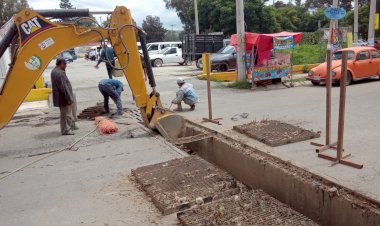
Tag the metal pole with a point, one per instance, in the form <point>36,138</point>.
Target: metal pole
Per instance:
<point>333,26</point>
<point>196,17</point>
<point>371,25</point>
<point>328,98</point>
<point>208,72</point>
<point>342,105</point>
<point>240,40</point>
<point>356,16</point>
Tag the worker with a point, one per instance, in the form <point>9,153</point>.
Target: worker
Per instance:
<point>111,88</point>
<point>63,97</point>
<point>108,56</point>
<point>187,94</point>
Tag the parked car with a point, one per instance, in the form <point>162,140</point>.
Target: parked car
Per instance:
<point>157,47</point>
<point>223,60</point>
<point>168,55</point>
<point>363,62</point>
<point>67,56</point>
<point>73,54</point>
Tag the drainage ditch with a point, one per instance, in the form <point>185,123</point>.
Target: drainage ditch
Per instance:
<point>317,198</point>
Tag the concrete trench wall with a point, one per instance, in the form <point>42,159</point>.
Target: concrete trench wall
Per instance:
<point>302,191</point>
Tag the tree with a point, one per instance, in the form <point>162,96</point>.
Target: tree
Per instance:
<point>363,20</point>
<point>154,29</point>
<point>10,7</point>
<point>66,4</point>
<point>185,12</point>
<point>316,4</point>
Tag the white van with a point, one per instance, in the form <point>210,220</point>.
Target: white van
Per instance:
<point>157,47</point>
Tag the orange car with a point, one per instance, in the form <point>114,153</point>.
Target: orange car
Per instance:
<point>363,62</point>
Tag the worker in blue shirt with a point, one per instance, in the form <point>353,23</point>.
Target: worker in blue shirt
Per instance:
<point>111,88</point>
<point>108,56</point>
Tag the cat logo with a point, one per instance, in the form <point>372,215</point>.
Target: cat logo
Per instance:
<point>31,26</point>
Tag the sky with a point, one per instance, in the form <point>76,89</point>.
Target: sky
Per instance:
<point>139,9</point>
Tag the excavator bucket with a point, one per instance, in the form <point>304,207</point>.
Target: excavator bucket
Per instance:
<point>171,126</point>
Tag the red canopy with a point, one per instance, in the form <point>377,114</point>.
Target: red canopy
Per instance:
<point>264,42</point>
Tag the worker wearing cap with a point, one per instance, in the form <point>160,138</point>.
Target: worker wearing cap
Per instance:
<point>111,88</point>
<point>187,94</point>
<point>63,97</point>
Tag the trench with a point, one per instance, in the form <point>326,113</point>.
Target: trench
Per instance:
<point>319,199</point>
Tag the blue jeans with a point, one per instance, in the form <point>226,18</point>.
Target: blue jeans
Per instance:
<point>107,92</point>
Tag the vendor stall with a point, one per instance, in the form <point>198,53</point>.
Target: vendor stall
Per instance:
<point>266,55</point>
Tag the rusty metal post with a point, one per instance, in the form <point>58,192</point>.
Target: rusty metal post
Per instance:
<point>328,97</point>
<point>208,72</point>
<point>342,105</point>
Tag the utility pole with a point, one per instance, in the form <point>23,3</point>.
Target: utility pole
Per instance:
<point>356,23</point>
<point>240,40</point>
<point>371,25</point>
<point>196,17</point>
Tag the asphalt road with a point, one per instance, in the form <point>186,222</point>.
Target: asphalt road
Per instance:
<point>91,186</point>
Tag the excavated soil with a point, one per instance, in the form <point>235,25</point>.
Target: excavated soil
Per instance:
<point>275,133</point>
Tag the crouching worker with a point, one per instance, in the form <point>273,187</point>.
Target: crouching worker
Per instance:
<point>187,94</point>
<point>63,97</point>
<point>111,88</point>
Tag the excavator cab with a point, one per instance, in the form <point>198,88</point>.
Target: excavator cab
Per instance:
<point>34,41</point>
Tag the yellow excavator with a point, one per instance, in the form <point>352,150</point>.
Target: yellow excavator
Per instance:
<point>36,40</point>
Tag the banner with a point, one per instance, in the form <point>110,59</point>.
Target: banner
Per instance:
<point>265,73</point>
<point>283,42</point>
<point>377,21</point>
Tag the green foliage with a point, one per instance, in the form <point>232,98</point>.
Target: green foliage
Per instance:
<point>66,4</point>
<point>305,68</point>
<point>309,54</point>
<point>240,85</point>
<point>317,4</point>
<point>363,20</point>
<point>154,29</point>
<point>220,15</point>
<point>311,38</point>
<point>10,7</point>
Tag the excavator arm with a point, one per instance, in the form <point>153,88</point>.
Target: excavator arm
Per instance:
<point>40,40</point>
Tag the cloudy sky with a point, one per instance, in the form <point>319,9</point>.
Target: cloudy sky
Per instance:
<point>139,9</point>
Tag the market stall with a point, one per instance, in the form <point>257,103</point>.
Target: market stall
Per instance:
<point>265,58</point>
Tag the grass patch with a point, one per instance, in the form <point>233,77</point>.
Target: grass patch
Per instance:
<point>308,54</point>
<point>240,85</point>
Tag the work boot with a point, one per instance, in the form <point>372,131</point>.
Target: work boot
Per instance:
<point>192,107</point>
<point>177,109</point>
<point>68,133</point>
